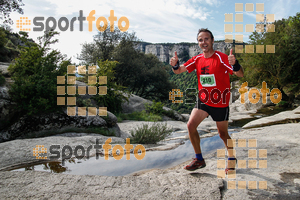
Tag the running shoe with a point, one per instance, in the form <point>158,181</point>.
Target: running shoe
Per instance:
<point>228,170</point>
<point>195,164</point>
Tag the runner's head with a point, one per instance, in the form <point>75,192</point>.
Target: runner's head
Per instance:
<point>205,40</point>
<point>205,30</point>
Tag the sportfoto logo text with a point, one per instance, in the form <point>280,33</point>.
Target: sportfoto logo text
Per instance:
<point>79,152</point>
<point>63,23</point>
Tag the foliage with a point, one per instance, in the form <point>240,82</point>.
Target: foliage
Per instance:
<point>183,81</point>
<point>150,134</point>
<point>83,78</point>
<point>143,75</point>
<point>155,107</point>
<point>283,104</point>
<point>8,45</point>
<point>35,74</point>
<point>139,116</point>
<point>184,56</point>
<point>8,6</point>
<point>114,97</point>
<point>181,108</point>
<point>103,45</point>
<point>280,69</point>
<point>2,79</point>
<point>84,102</point>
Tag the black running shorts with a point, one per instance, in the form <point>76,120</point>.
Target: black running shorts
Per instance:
<point>218,114</point>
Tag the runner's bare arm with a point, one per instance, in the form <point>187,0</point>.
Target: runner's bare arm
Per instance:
<point>232,61</point>
<point>239,73</point>
<point>173,62</point>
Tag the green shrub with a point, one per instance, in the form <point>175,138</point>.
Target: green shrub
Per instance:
<point>169,113</point>
<point>155,107</point>
<point>283,104</point>
<point>35,74</point>
<point>84,103</point>
<point>139,116</point>
<point>83,78</point>
<point>114,97</point>
<point>150,134</point>
<point>2,79</point>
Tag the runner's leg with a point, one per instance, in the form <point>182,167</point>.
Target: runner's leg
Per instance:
<point>197,116</point>
<point>223,132</point>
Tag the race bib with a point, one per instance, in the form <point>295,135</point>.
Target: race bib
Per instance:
<point>207,80</point>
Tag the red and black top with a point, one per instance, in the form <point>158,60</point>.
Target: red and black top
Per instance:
<point>213,78</point>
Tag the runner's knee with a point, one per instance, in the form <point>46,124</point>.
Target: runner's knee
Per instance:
<point>191,125</point>
<point>223,134</point>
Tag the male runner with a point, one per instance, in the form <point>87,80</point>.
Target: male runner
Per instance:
<point>212,68</point>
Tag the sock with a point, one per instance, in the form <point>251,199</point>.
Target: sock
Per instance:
<point>199,156</point>
<point>231,158</point>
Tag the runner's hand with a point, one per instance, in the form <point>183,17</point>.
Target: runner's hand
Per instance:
<point>174,59</point>
<point>231,58</point>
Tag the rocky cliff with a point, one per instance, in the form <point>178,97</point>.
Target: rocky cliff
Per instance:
<point>166,51</point>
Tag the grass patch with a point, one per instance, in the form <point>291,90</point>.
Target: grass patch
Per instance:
<point>150,134</point>
<point>139,116</point>
<point>153,112</point>
<point>157,108</point>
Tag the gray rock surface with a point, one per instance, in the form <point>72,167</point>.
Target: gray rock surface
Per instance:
<point>237,106</point>
<point>7,107</point>
<point>3,68</point>
<point>45,124</point>
<point>19,151</point>
<point>158,184</point>
<point>282,117</point>
<point>165,52</point>
<point>281,175</point>
<point>135,103</point>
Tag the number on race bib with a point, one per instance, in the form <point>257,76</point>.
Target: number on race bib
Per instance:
<point>208,80</point>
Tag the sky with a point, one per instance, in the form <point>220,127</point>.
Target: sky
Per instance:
<point>155,21</point>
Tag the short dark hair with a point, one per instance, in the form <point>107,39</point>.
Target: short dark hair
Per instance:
<point>205,30</point>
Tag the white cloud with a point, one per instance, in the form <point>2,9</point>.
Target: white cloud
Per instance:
<point>250,14</point>
<point>282,8</point>
<point>153,21</point>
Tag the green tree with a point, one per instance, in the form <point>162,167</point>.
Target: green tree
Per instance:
<point>10,42</point>
<point>184,55</point>
<point>114,97</point>
<point>103,45</point>
<point>8,6</point>
<point>35,74</point>
<point>3,38</point>
<point>143,74</point>
<point>280,69</point>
